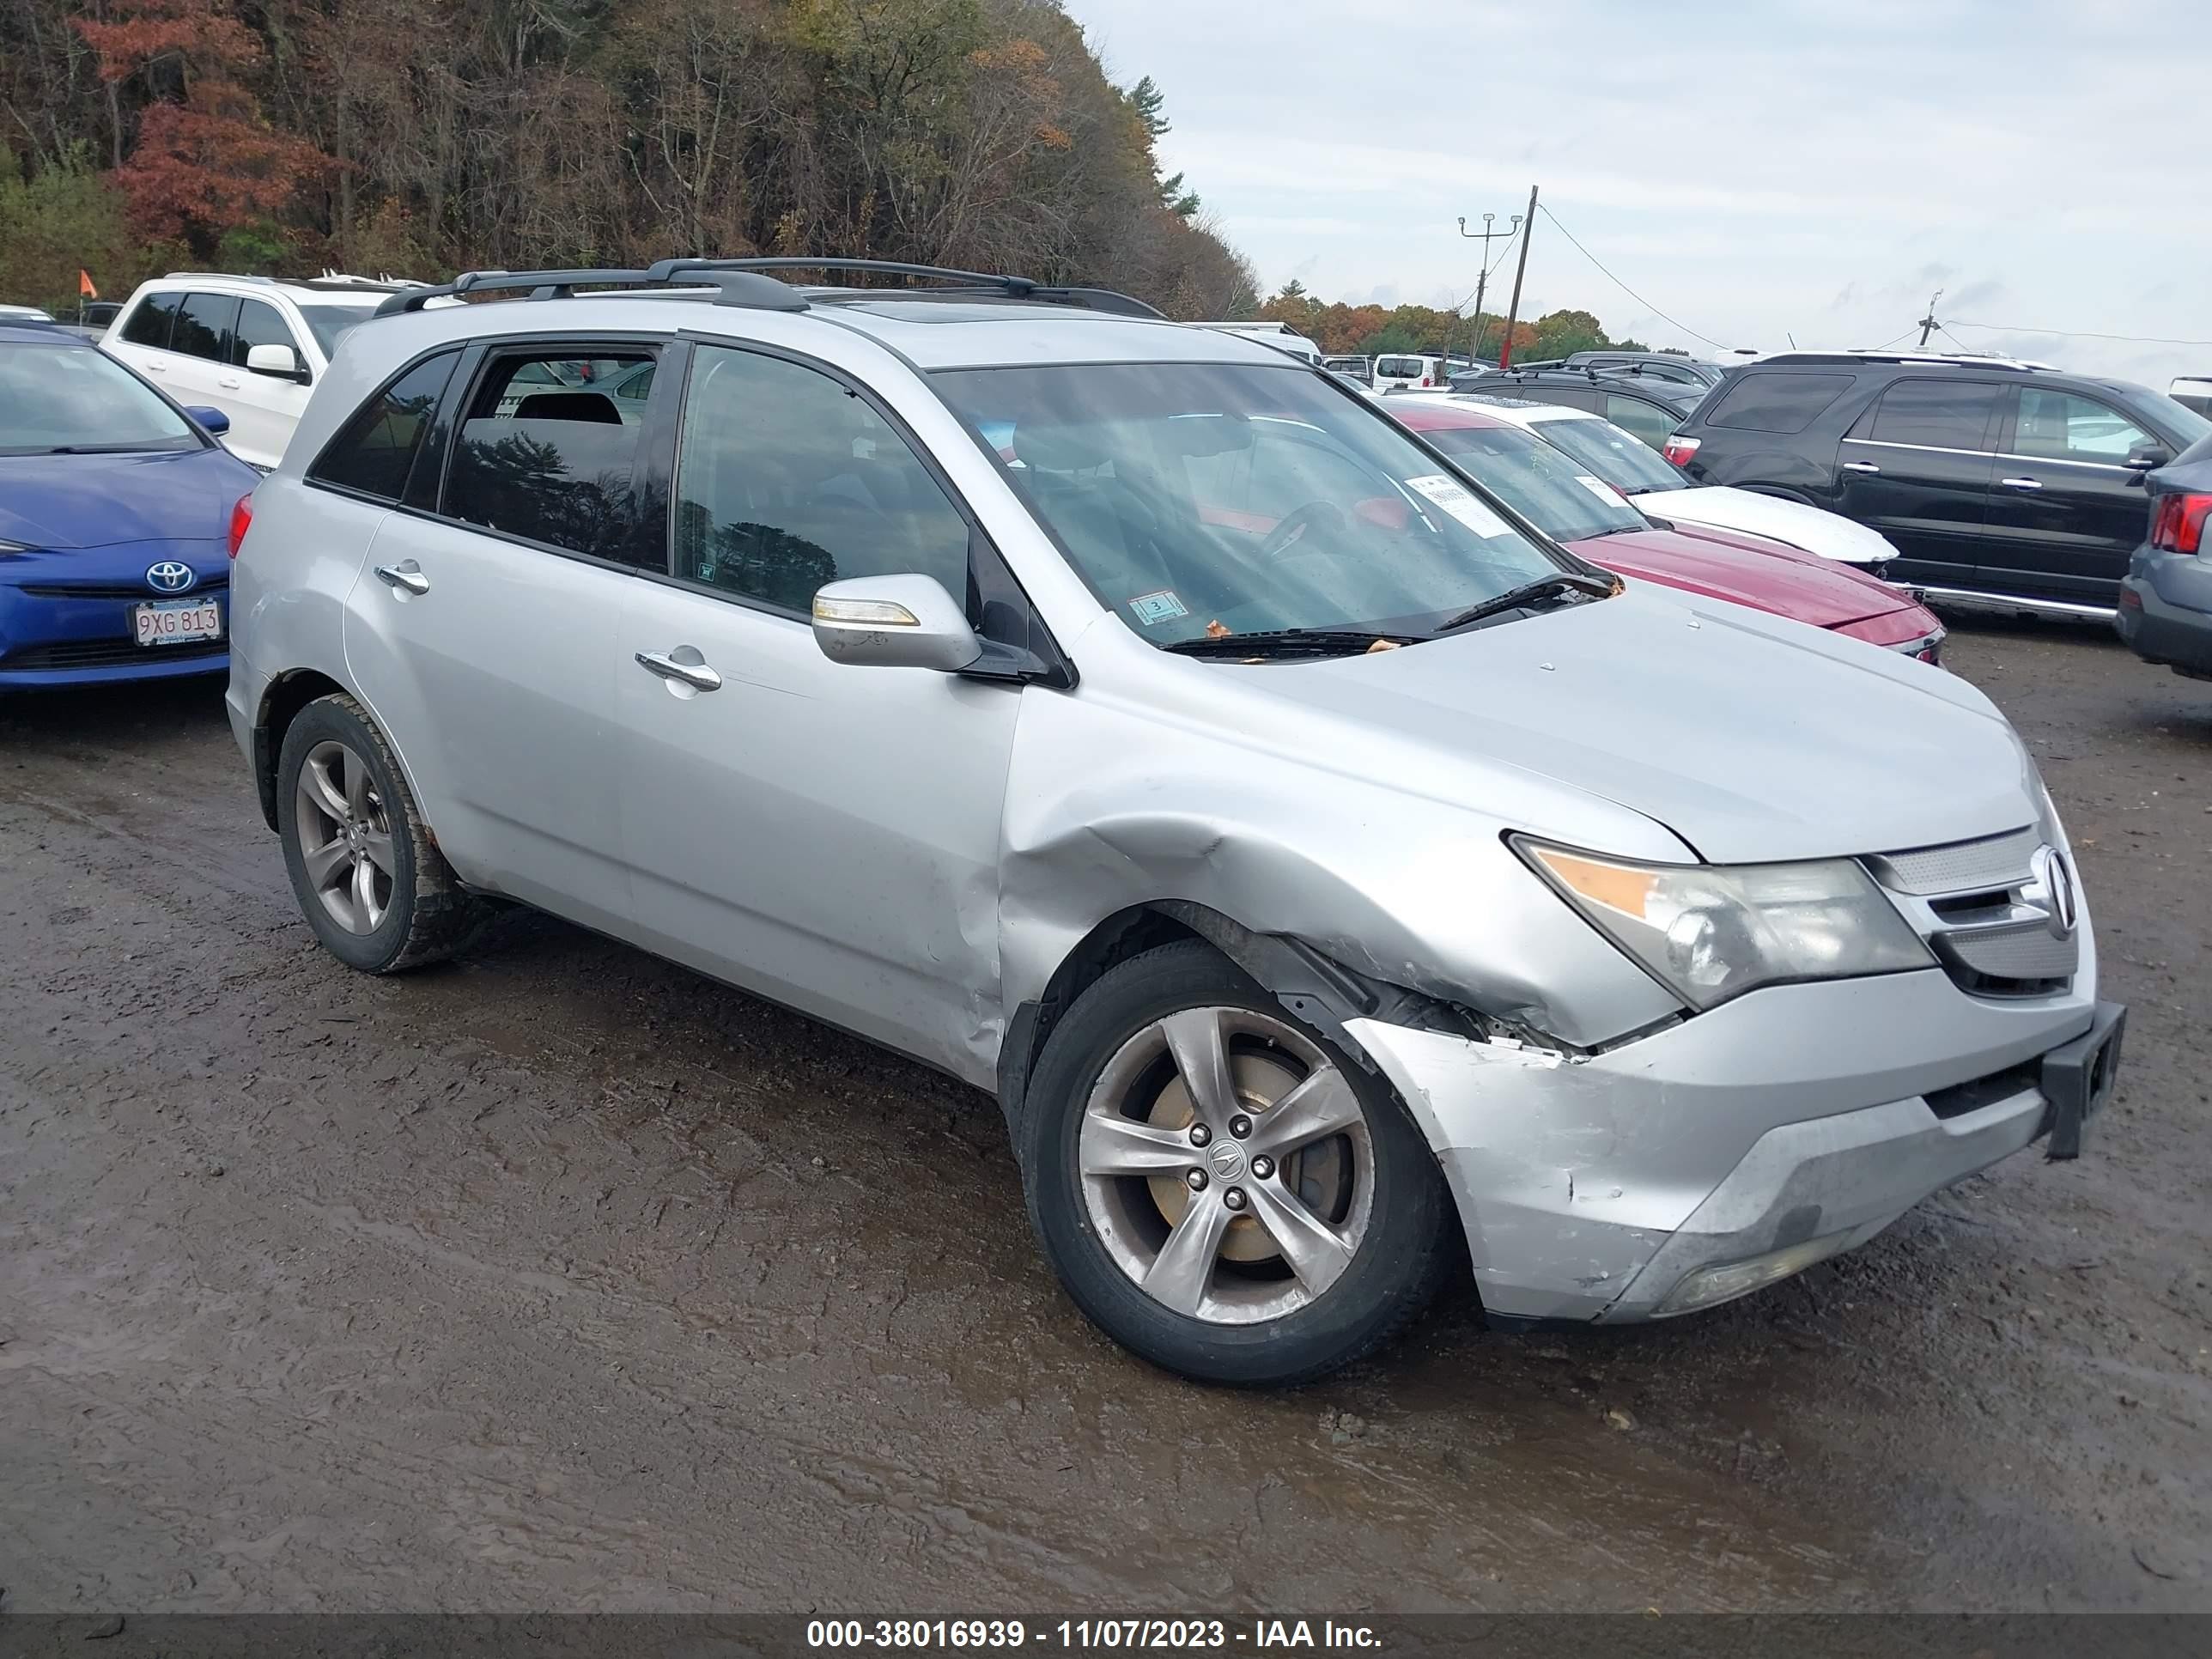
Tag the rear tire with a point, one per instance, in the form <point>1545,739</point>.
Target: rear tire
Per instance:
<point>1220,1189</point>
<point>370,881</point>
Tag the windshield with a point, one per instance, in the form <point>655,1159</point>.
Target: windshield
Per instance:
<point>1197,499</point>
<point>56,399</point>
<point>1620,457</point>
<point>1544,485</point>
<point>327,322</point>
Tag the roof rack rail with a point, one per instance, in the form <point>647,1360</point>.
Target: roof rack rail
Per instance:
<point>1015,287</point>
<point>1961,359</point>
<point>733,288</point>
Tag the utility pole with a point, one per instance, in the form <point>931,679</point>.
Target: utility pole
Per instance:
<point>1928,323</point>
<point>1482,268</point>
<point>1521,269</point>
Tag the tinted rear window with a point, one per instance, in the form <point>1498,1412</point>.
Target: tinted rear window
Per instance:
<point>1935,415</point>
<point>149,323</point>
<point>1777,402</point>
<point>378,447</point>
<point>552,465</point>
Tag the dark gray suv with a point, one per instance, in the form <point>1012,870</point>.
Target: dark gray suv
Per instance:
<point>2004,485</point>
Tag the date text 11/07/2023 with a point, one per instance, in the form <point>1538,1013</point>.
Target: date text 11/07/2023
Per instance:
<point>933,1635</point>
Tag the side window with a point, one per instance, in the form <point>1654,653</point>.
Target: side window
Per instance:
<point>374,452</point>
<point>632,390</point>
<point>2061,427</point>
<point>151,321</point>
<point>1778,401</point>
<point>785,480</point>
<point>1934,415</point>
<point>260,324</point>
<point>547,457</point>
<point>1647,421</point>
<point>205,325</point>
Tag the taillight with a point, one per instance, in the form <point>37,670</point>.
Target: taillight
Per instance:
<point>1679,449</point>
<point>2176,523</point>
<point>1426,381</point>
<point>241,518</point>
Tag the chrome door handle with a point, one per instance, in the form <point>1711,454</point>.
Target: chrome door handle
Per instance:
<point>406,574</point>
<point>696,675</point>
<point>2021,483</point>
<point>1861,466</point>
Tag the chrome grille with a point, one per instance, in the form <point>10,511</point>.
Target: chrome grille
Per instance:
<point>1984,914</point>
<point>1963,867</point>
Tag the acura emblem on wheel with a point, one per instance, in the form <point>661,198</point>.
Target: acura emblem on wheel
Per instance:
<point>169,576</point>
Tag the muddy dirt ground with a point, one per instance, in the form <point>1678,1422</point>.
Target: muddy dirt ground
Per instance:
<point>561,1279</point>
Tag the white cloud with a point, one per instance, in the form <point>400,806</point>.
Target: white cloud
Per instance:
<point>1759,168</point>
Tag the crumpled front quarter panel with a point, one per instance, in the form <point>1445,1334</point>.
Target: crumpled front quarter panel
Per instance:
<point>1203,793</point>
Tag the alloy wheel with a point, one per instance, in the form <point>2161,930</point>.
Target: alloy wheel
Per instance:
<point>345,837</point>
<point>1226,1165</point>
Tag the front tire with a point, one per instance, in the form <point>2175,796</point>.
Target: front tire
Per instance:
<point>370,881</point>
<point>1219,1188</point>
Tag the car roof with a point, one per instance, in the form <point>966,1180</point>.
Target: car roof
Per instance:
<point>27,332</point>
<point>929,333</point>
<point>1521,411</point>
<point>1435,414</point>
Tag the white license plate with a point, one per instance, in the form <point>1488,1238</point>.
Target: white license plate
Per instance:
<point>177,622</point>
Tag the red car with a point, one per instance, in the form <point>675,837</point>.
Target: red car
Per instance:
<point>1547,487</point>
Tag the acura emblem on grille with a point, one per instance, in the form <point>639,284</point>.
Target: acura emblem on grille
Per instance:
<point>2054,885</point>
<point>169,576</point>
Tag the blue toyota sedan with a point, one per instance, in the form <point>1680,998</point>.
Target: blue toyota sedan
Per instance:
<point>115,515</point>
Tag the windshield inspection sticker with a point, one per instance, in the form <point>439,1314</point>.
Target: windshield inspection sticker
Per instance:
<point>1599,488</point>
<point>1454,498</point>
<point>1153,609</point>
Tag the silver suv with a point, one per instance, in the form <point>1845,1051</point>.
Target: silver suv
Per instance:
<point>1315,861</point>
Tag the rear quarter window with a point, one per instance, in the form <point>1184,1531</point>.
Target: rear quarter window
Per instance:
<point>151,319</point>
<point>1777,402</point>
<point>375,451</point>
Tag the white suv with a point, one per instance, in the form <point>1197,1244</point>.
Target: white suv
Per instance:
<point>1336,880</point>
<point>250,346</point>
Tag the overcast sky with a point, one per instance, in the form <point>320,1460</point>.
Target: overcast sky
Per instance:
<point>1755,170</point>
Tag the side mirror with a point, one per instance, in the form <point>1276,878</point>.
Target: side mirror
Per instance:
<point>212,420</point>
<point>893,622</point>
<point>278,362</point>
<point>2144,457</point>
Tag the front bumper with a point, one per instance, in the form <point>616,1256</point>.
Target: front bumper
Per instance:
<point>2165,610</point>
<point>1801,1115</point>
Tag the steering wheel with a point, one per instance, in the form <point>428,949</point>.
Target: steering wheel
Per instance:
<point>1293,530</point>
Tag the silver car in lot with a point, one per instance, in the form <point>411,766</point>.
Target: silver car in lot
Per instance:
<point>1320,867</point>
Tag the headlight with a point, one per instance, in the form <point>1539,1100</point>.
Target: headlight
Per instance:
<point>1711,932</point>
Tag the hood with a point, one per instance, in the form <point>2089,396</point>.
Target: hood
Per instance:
<point>1830,535</point>
<point>94,501</point>
<point>1761,574</point>
<point>1751,739</point>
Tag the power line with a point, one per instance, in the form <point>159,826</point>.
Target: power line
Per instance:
<point>2079,334</point>
<point>1624,286</point>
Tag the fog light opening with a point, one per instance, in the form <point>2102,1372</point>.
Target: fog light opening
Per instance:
<point>1724,1281</point>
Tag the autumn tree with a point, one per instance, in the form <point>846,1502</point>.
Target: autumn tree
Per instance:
<point>202,161</point>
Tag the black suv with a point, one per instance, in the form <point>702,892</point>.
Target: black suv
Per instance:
<point>2003,483</point>
<point>1648,407</point>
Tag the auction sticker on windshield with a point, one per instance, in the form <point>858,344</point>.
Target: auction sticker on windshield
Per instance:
<point>1455,498</point>
<point>1599,488</point>
<point>1153,609</point>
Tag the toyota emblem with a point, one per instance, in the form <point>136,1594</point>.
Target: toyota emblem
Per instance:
<point>2056,883</point>
<point>170,576</point>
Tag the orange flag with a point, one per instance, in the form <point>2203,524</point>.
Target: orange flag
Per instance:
<point>84,285</point>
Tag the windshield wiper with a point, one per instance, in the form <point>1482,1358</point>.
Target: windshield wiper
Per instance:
<point>1557,585</point>
<point>1288,642</point>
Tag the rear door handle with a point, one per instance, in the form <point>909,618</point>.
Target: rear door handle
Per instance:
<point>157,368</point>
<point>2021,483</point>
<point>696,675</point>
<point>406,575</point>
<point>1861,466</point>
